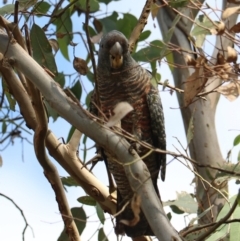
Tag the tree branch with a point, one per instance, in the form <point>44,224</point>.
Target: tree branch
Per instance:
<point>135,169</point>
<point>204,147</point>
<point>60,152</point>
<point>142,21</point>
<point>50,170</point>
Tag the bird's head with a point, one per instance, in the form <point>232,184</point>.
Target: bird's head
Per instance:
<point>113,50</point>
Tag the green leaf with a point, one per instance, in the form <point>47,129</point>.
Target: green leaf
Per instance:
<point>167,38</point>
<point>100,213</point>
<point>200,215</point>
<point>223,230</point>
<point>85,139</point>
<point>11,101</point>
<point>236,140</point>
<point>25,4</point>
<point>10,8</point>
<point>107,1</point>
<point>109,23</point>
<point>63,30</point>
<point>80,219</point>
<point>91,30</point>
<point>77,90</point>
<point>50,111</point>
<point>101,235</point>
<point>88,98</point>
<point>60,78</point>
<point>42,50</point>
<point>155,79</point>
<point>93,5</point>
<point>169,215</point>
<point>230,167</point>
<point>87,200</point>
<point>234,227</point>
<point>202,26</point>
<point>7,9</point>
<point>184,203</point>
<point>70,133</point>
<point>126,24</point>
<point>178,3</point>
<point>150,53</point>
<point>200,40</point>
<point>90,76</point>
<point>84,148</point>
<point>238,157</point>
<point>42,7</point>
<point>176,210</point>
<point>144,35</point>
<point>4,127</point>
<point>69,182</point>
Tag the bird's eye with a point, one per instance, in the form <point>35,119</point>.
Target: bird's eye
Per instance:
<point>113,57</point>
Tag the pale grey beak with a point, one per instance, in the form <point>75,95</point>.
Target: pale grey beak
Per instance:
<point>116,58</point>
<point>116,49</point>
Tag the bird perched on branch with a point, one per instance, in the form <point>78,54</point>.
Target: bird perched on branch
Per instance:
<point>121,79</point>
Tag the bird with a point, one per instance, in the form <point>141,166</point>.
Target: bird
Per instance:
<point>121,79</point>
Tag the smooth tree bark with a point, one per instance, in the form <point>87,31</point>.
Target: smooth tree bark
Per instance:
<point>204,146</point>
<point>115,143</point>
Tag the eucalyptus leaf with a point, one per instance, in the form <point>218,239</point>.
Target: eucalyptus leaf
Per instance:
<point>80,219</point>
<point>100,213</point>
<point>101,235</point>
<point>87,200</point>
<point>63,30</point>
<point>69,181</point>
<point>42,50</point>
<point>183,203</point>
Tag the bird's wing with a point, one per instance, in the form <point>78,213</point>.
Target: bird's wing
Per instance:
<point>157,126</point>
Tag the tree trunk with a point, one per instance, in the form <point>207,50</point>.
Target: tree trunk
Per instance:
<point>204,147</point>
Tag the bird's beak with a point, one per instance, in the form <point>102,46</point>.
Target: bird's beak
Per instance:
<point>116,58</point>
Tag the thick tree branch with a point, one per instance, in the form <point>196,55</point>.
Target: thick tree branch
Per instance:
<point>137,172</point>
<point>142,21</point>
<point>60,152</point>
<point>50,170</point>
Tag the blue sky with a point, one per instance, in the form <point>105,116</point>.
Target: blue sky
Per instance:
<point>24,182</point>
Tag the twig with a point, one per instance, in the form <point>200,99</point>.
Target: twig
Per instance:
<point>61,12</point>
<point>221,221</point>
<point>90,48</point>
<point>130,137</point>
<point>16,12</point>
<point>21,211</point>
<point>2,98</point>
<point>184,234</point>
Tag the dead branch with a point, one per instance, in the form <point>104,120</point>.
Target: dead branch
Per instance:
<point>21,211</point>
